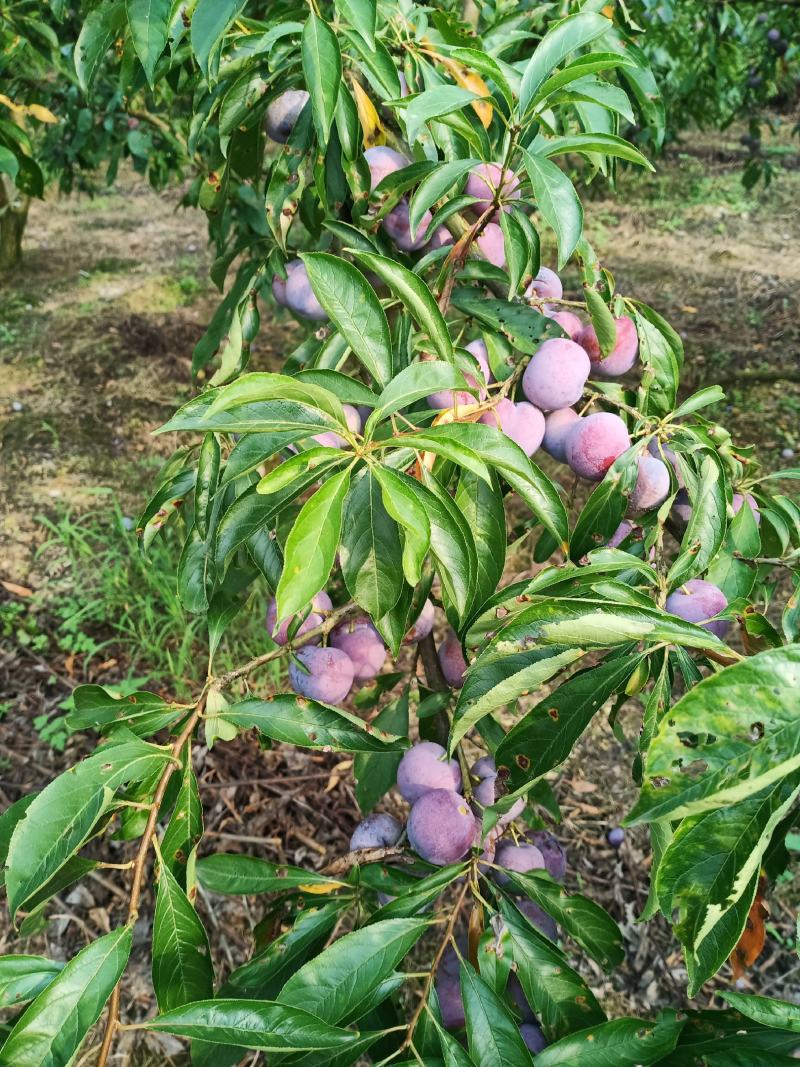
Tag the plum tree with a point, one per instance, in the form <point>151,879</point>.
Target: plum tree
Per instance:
<point>557,425</point>
<point>594,443</point>
<point>622,356</point>
<point>280,635</point>
<point>556,375</point>
<point>441,827</point>
<point>652,485</point>
<point>378,830</point>
<point>424,767</point>
<point>698,601</point>
<point>363,645</point>
<point>324,674</point>
<point>283,113</point>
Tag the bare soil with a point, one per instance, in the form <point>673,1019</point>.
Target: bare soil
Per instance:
<point>96,332</point>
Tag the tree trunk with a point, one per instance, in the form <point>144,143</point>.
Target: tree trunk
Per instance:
<point>13,216</point>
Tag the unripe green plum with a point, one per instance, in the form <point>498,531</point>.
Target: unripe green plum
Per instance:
<point>491,246</point>
<point>485,179</point>
<point>441,827</point>
<point>652,485</point>
<point>424,767</point>
<point>452,662</point>
<point>423,624</point>
<point>282,114</point>
<point>522,422</point>
<point>623,355</point>
<point>328,674</point>
<point>321,602</point>
<point>299,295</point>
<point>445,398</point>
<point>698,601</point>
<point>739,499</point>
<point>569,323</point>
<point>378,830</point>
<point>331,439</point>
<point>383,161</point>
<point>363,645</point>
<point>545,286</point>
<point>557,425</point>
<point>397,226</point>
<point>556,374</point>
<point>595,442</point>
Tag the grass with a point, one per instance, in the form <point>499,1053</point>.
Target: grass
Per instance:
<point>105,605</point>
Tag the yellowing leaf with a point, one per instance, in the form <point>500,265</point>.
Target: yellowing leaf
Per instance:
<point>320,887</point>
<point>372,131</point>
<point>36,111</point>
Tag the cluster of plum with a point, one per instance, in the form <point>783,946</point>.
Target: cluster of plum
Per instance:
<point>442,828</point>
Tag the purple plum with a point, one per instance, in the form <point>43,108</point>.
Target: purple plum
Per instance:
<point>556,374</point>
<point>698,601</point>
<point>445,398</point>
<point>557,425</point>
<point>441,827</point>
<point>491,246</point>
<point>424,767</point>
<point>282,114</point>
<point>555,858</point>
<point>452,662</point>
<point>397,226</point>
<point>623,355</point>
<point>448,990</point>
<point>539,919</point>
<point>440,238</point>
<point>382,161</point>
<point>300,296</point>
<point>615,836</point>
<point>652,485</point>
<point>327,677</point>
<point>279,284</point>
<point>522,422</point>
<point>423,625</point>
<point>533,1037</point>
<point>486,179</point>
<point>485,767</point>
<point>682,505</point>
<point>545,286</point>
<point>335,440</point>
<point>378,830</point>
<point>595,442</point>
<point>661,451</point>
<point>620,534</point>
<point>519,858</point>
<point>569,323</point>
<point>321,602</point>
<point>363,645</point>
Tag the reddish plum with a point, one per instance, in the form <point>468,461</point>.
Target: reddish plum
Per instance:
<point>491,246</point>
<point>698,601</point>
<point>652,485</point>
<point>556,374</point>
<point>446,398</point>
<point>545,286</point>
<point>383,161</point>
<point>423,625</point>
<point>569,323</point>
<point>595,442</point>
<point>623,355</point>
<point>486,179</point>
<point>519,858</point>
<point>452,662</point>
<point>557,425</point>
<point>300,296</point>
<point>334,440</point>
<point>739,499</point>
<point>397,226</point>
<point>522,422</point>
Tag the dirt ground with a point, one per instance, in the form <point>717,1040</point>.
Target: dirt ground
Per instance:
<point>96,332</point>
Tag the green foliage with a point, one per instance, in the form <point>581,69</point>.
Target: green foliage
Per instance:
<point>277,488</point>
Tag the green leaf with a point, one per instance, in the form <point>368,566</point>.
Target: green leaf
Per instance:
<point>661,354</point>
<point>355,310</point>
<point>263,975</point>
<point>185,827</point>
<point>522,326</point>
<point>239,875</point>
<point>621,1042</point>
<point>603,511</point>
<point>493,1036</point>
<point>408,511</point>
<point>375,772</point>
<point>8,821</point>
<point>558,995</point>
<point>321,459</point>
<point>97,34</point>
<point>412,384</point>
<point>565,37</point>
<point>589,143</point>
<point>361,15</point>
<point>602,320</point>
<point>482,507</point>
<point>746,721</point>
<point>207,479</point>
<point>299,721</point>
<point>434,186</point>
<point>253,388</point>
<point>433,104</point>
<point>23,977</point>
<point>211,20</point>
<point>419,896</point>
<point>778,1014</point>
<point>257,1024</point>
<point>557,201</point>
<point>311,546</point>
<point>586,922</point>
<point>592,63</point>
<point>143,713</point>
<point>504,75</point>
<point>370,551</point>
<point>51,1030</point>
<point>149,25</point>
<point>62,816</point>
<point>322,70</point>
<point>517,250</point>
<point>705,531</point>
<point>415,296</point>
<point>334,984</point>
<point>9,164</point>
<point>182,970</point>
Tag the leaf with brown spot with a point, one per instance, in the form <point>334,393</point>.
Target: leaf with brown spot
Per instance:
<point>751,943</point>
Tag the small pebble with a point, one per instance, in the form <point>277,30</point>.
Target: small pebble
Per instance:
<point>16,405</point>
<point>787,453</point>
